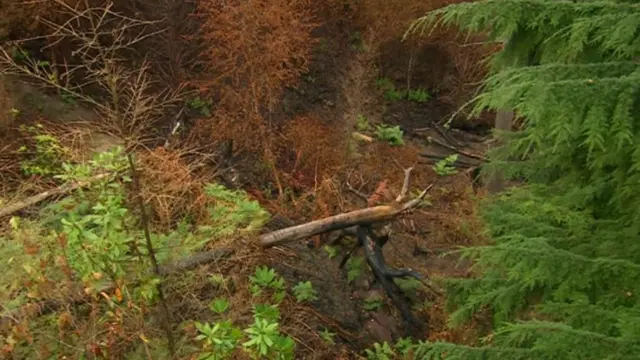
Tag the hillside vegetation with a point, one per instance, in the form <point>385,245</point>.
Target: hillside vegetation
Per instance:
<point>341,179</point>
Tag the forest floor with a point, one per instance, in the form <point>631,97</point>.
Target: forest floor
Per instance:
<point>339,87</point>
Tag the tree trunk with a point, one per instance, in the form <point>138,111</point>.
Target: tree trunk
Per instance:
<point>504,121</point>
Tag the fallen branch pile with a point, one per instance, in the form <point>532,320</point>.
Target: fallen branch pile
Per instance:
<point>371,227</point>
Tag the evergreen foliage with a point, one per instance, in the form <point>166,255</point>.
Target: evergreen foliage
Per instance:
<point>562,279</point>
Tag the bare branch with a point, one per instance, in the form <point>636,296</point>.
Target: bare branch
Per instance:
<point>66,188</point>
<point>459,151</point>
<point>340,221</point>
<point>353,190</point>
<point>405,185</point>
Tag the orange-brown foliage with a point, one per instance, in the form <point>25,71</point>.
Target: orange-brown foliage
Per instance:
<point>311,151</point>
<point>380,194</point>
<point>255,48</point>
<point>170,186</point>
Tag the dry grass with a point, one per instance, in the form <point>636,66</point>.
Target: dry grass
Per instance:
<point>310,152</point>
<point>172,187</point>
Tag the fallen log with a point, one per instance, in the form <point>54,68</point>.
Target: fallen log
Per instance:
<point>371,228</point>
<point>63,189</point>
<point>340,221</point>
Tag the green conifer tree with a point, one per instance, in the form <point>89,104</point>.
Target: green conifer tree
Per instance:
<point>562,276</point>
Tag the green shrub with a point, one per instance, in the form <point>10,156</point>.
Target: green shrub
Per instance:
<point>362,123</point>
<point>418,95</point>
<point>202,106</point>
<point>392,135</point>
<point>380,352</point>
<point>46,157</point>
<point>304,291</point>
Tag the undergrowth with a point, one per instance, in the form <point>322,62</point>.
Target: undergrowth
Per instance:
<point>89,251</point>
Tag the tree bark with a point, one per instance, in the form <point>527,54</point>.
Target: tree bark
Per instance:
<point>496,181</point>
<point>340,221</point>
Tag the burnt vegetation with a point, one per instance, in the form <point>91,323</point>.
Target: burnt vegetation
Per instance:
<point>294,179</point>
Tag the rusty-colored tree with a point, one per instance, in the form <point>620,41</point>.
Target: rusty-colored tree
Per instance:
<point>256,48</point>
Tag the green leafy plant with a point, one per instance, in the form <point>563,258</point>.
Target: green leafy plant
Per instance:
<point>219,340</point>
<point>392,135</point>
<point>385,84</point>
<point>232,213</point>
<point>331,251</point>
<point>425,202</point>
<point>267,311</point>
<point>267,278</point>
<point>263,335</point>
<point>279,290</point>
<point>391,93</point>
<point>380,352</point>
<point>18,54</point>
<point>304,291</point>
<point>15,113</point>
<point>373,302</point>
<point>394,95</point>
<point>46,157</point>
<point>202,106</point>
<point>362,123</point>
<point>217,280</point>
<point>219,305</point>
<point>92,239</point>
<point>355,267</point>
<point>445,166</point>
<point>408,285</point>
<point>98,236</point>
<point>418,95</point>
<point>404,346</point>
<point>263,277</point>
<point>265,340</point>
<point>328,337</point>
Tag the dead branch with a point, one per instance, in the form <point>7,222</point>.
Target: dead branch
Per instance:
<point>66,188</point>
<point>405,185</point>
<point>340,221</point>
<point>373,245</point>
<point>357,192</point>
<point>459,151</point>
<point>371,228</point>
<point>433,158</point>
<point>362,137</point>
<point>444,133</point>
